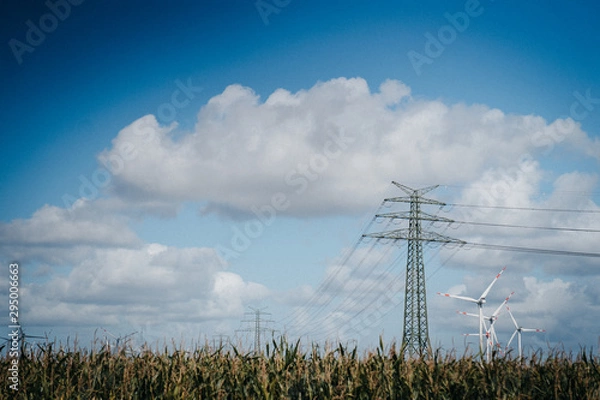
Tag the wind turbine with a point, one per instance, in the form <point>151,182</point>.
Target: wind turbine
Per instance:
<point>490,332</point>
<point>118,339</point>
<point>21,339</point>
<point>518,331</point>
<point>480,302</point>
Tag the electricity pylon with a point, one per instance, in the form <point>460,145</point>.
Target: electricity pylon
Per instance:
<point>415,337</point>
<point>220,336</point>
<point>257,329</point>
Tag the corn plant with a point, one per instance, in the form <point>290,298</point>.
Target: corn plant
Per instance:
<point>284,371</point>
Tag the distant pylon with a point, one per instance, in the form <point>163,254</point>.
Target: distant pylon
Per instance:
<point>257,328</point>
<point>220,336</point>
<point>415,337</point>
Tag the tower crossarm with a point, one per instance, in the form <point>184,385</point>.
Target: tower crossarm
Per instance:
<point>411,191</point>
<point>422,216</point>
<point>414,199</point>
<point>407,234</point>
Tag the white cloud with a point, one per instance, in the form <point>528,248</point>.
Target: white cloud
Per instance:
<point>57,236</point>
<point>231,293</point>
<point>94,271</point>
<point>458,289</point>
<point>323,146</point>
<point>83,225</point>
<point>565,309</point>
<point>142,285</point>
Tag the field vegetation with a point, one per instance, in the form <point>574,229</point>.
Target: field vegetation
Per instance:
<point>285,371</point>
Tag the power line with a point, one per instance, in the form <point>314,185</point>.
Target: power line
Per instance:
<point>524,208</point>
<point>534,250</point>
<point>391,284</point>
<point>549,228</point>
<point>322,307</point>
<point>364,292</point>
<point>553,191</point>
<point>323,288</point>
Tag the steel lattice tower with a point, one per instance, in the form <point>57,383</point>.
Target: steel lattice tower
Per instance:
<point>257,330</point>
<point>415,337</point>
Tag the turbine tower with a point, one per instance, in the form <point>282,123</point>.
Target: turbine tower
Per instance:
<point>518,330</point>
<point>415,337</point>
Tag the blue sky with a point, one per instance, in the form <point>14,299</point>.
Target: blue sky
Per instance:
<point>265,93</point>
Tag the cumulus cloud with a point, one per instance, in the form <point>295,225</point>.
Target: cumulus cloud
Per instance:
<point>531,226</point>
<point>321,147</point>
<point>137,285</point>
<point>84,224</point>
<point>57,236</point>
<point>93,270</point>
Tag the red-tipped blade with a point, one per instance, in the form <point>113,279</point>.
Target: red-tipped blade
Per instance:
<point>495,314</point>
<point>487,291</point>
<point>453,296</point>
<point>467,313</point>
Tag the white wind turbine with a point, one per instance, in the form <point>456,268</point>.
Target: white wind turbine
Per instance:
<point>118,339</point>
<point>480,302</point>
<point>518,331</point>
<point>490,332</point>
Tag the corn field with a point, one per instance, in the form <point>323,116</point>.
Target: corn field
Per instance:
<point>284,371</point>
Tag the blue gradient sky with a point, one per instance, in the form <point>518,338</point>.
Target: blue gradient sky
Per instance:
<point>107,65</point>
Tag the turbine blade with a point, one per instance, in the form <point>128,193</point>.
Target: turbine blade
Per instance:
<point>467,313</point>
<point>453,296</point>
<point>106,331</point>
<point>485,293</point>
<point>511,339</point>
<point>494,337</point>
<point>513,318</point>
<point>495,314</point>
<point>484,325</point>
